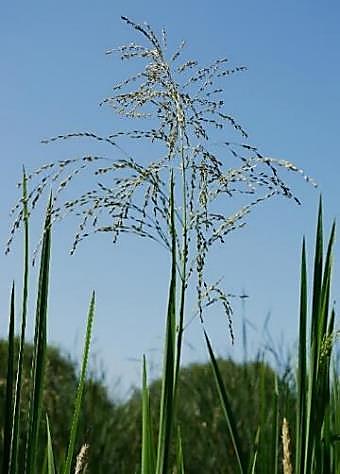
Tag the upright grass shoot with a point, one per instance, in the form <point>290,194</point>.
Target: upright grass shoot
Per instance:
<point>15,432</point>
<point>30,449</point>
<point>148,464</point>
<point>242,462</point>
<point>313,453</point>
<point>39,351</point>
<point>9,387</point>
<point>168,380</point>
<point>81,386</point>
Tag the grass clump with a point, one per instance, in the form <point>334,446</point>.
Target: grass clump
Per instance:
<point>21,455</point>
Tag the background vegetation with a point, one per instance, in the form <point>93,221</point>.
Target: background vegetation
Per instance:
<point>112,429</point>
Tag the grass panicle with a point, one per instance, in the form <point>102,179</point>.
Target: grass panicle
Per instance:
<point>131,195</point>
<point>81,460</point>
<point>286,461</point>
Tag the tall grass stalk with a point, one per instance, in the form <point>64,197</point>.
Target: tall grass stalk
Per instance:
<point>148,464</point>
<point>335,421</point>
<point>15,432</point>
<point>169,364</point>
<point>9,387</point>
<point>275,430</point>
<point>39,352</point>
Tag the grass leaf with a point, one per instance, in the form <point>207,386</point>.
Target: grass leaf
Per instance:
<point>18,386</point>
<point>179,454</point>
<point>9,388</point>
<point>252,467</point>
<point>227,410</point>
<point>276,428</point>
<point>168,382</point>
<point>302,381</point>
<point>39,349</point>
<point>81,386</point>
<point>50,455</point>
<point>148,450</point>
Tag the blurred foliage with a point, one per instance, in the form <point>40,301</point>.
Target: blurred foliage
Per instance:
<point>113,429</point>
<point>206,443</point>
<point>61,383</point>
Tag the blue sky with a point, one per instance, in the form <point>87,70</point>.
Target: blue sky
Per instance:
<point>53,75</point>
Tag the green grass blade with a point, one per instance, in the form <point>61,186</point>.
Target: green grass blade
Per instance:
<point>252,467</point>
<point>331,324</point>
<point>81,386</point>
<point>275,429</point>
<point>302,380</point>
<point>180,323</point>
<point>227,410</point>
<point>184,258</point>
<point>315,342</point>
<point>318,264</point>
<point>322,399</point>
<point>263,410</point>
<point>326,327</point>
<point>325,291</point>
<point>167,395</point>
<point>50,455</point>
<point>9,389</point>
<point>39,348</point>
<point>18,386</point>
<point>179,454</point>
<point>335,419</point>
<point>148,450</point>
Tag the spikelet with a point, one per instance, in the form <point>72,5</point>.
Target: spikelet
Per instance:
<point>81,459</point>
<point>287,464</point>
